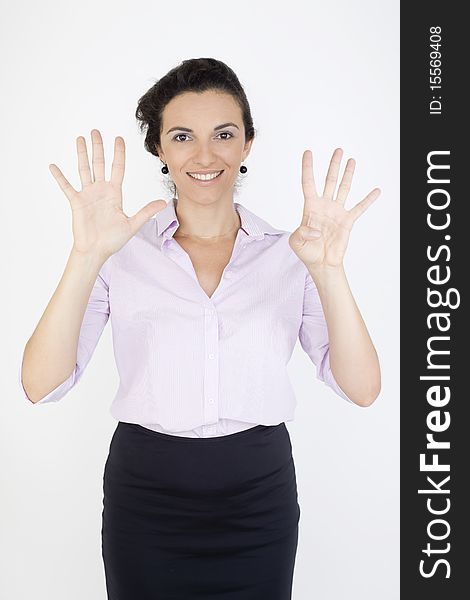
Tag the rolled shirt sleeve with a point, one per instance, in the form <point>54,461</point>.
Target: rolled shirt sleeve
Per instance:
<point>313,336</point>
<point>94,320</point>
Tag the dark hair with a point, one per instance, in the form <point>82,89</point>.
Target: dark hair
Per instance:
<point>191,75</point>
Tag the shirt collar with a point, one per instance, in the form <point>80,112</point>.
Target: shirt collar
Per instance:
<point>253,226</point>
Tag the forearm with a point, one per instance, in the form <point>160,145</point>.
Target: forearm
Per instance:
<point>353,358</point>
<point>51,351</point>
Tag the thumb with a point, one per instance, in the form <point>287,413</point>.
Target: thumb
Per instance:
<point>307,233</point>
<point>145,214</point>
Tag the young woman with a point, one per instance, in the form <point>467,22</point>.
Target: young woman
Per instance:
<point>206,301</point>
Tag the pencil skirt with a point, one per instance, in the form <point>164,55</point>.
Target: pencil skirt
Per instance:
<point>200,518</point>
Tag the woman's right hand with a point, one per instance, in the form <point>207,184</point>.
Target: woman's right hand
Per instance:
<point>99,224</point>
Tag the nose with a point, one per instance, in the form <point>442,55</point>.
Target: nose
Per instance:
<point>204,155</point>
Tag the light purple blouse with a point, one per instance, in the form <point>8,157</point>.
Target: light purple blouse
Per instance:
<point>196,366</point>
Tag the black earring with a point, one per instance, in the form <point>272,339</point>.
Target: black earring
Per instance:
<point>243,169</point>
<point>165,169</point>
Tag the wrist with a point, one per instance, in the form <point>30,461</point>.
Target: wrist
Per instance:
<point>325,270</point>
<point>327,277</point>
<point>92,259</point>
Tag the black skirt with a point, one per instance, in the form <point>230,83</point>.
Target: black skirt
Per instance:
<point>199,517</point>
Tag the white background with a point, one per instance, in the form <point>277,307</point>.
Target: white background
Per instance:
<point>317,75</point>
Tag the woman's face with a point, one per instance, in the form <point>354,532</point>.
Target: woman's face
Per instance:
<point>203,133</point>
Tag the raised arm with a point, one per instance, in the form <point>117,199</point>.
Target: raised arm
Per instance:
<point>51,353</point>
<point>78,309</point>
<point>320,242</point>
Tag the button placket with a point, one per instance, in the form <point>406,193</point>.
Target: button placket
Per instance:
<point>211,367</point>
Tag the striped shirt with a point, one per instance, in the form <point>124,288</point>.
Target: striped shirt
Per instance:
<point>200,366</point>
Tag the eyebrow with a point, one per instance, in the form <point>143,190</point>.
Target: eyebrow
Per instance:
<point>191,131</point>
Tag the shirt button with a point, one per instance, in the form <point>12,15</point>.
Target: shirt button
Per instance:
<point>211,356</point>
<point>211,400</point>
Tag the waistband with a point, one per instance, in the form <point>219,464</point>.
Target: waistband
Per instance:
<point>257,430</point>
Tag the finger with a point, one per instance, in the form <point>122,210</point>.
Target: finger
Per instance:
<point>98,155</point>
<point>345,184</point>
<point>308,183</point>
<point>145,213</point>
<point>119,161</point>
<point>332,175</point>
<point>363,205</point>
<point>64,185</point>
<point>83,163</point>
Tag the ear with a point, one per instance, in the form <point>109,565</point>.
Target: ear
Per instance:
<point>161,156</point>
<point>247,149</point>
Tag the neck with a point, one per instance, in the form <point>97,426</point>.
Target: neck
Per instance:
<point>217,221</point>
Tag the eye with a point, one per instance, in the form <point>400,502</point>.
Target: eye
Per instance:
<point>185,135</point>
<point>178,135</point>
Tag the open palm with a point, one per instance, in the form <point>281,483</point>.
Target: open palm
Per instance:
<point>327,216</point>
<point>99,223</point>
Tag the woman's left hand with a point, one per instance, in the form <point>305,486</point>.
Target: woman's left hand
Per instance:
<point>327,216</point>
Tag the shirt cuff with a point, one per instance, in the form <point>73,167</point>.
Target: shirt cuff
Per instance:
<point>331,381</point>
<point>55,394</point>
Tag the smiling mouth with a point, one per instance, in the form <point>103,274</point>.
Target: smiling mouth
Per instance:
<point>205,176</point>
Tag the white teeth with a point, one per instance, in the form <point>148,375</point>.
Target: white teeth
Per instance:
<point>205,177</point>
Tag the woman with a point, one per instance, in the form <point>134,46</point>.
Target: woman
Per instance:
<point>206,302</point>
